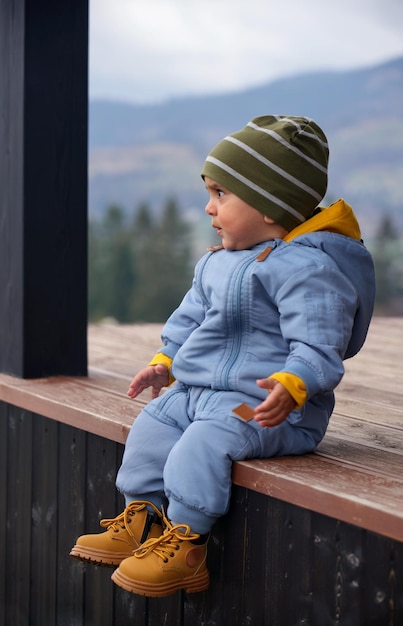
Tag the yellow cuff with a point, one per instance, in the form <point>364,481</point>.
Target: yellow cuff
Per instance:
<point>163,359</point>
<point>294,385</point>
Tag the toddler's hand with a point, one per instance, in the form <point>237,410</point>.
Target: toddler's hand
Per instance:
<point>154,376</point>
<point>277,406</point>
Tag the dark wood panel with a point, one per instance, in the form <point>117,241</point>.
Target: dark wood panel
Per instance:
<point>72,486</point>
<point>271,563</point>
<point>4,478</point>
<point>43,190</point>
<point>44,511</point>
<point>17,517</point>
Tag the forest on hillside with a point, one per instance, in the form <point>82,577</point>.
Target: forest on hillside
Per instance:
<point>140,266</point>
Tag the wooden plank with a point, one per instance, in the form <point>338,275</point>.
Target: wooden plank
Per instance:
<point>382,578</point>
<point>100,503</point>
<point>372,435</point>
<point>44,520</point>
<point>3,507</point>
<point>75,403</point>
<point>123,349</point>
<point>335,565</point>
<point>367,406</point>
<point>72,489</point>
<point>325,486</point>
<point>366,458</point>
<point>18,527</point>
<point>289,573</point>
<point>373,370</point>
<point>380,386</point>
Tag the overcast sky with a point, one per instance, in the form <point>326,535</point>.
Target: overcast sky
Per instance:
<point>153,50</point>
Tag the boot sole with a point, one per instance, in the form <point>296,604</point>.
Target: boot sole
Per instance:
<point>192,584</point>
<point>98,557</point>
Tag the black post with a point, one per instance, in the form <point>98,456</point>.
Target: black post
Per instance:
<point>43,187</point>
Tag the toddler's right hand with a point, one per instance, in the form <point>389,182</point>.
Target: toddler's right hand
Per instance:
<point>154,376</point>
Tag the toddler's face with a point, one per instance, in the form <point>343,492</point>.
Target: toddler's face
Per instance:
<point>239,225</point>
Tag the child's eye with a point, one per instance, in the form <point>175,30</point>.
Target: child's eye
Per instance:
<point>220,193</point>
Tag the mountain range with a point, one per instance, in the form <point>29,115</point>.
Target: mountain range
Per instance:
<point>149,153</point>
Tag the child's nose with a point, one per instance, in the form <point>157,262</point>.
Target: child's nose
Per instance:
<point>210,209</point>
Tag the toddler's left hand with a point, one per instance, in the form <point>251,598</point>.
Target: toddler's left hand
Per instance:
<point>277,406</point>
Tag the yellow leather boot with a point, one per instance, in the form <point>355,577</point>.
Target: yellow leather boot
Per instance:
<point>124,534</point>
<point>175,560</point>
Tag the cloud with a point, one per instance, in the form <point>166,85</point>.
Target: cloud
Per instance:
<point>147,50</point>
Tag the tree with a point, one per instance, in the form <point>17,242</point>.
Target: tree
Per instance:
<point>95,272</point>
<point>164,263</point>
<point>111,269</point>
<point>388,259</point>
<point>138,272</point>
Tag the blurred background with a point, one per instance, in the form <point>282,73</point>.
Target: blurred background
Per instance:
<point>170,78</point>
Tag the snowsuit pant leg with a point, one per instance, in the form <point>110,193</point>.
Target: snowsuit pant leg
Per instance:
<point>198,470</point>
<point>152,436</point>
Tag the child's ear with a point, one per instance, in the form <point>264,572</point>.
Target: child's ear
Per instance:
<point>268,219</point>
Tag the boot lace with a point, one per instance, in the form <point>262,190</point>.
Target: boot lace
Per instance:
<point>123,519</point>
<point>166,545</point>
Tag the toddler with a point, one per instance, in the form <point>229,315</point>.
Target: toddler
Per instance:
<point>255,348</point>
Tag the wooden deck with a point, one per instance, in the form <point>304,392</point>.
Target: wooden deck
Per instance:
<point>356,475</point>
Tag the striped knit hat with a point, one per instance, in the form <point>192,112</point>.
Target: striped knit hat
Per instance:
<point>277,164</point>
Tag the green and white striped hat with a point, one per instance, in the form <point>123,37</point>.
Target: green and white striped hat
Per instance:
<point>277,164</point>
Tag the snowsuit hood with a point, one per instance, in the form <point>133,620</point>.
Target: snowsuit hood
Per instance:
<point>339,218</point>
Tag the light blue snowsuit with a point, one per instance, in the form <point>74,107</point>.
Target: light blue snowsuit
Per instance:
<point>302,310</point>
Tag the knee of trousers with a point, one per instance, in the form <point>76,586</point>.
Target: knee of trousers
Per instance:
<point>147,448</point>
<point>198,469</point>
